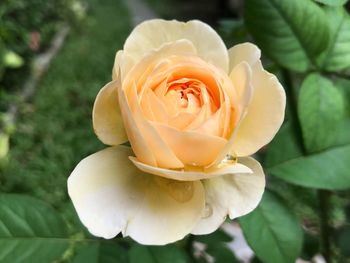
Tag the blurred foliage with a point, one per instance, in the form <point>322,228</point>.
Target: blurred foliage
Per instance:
<point>305,43</point>
<point>26,27</point>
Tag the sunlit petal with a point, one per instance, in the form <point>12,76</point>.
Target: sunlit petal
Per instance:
<point>111,196</point>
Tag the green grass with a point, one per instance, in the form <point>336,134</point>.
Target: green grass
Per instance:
<point>54,132</point>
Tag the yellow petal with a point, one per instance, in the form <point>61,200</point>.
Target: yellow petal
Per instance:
<point>192,148</point>
<point>265,113</point>
<point>111,196</point>
<point>181,120</point>
<point>137,140</point>
<point>162,153</point>
<point>152,34</point>
<point>234,194</point>
<point>192,173</point>
<point>106,116</point>
<point>241,77</point>
<point>122,65</point>
<point>247,52</point>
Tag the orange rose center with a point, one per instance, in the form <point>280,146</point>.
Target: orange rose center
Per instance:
<point>186,93</point>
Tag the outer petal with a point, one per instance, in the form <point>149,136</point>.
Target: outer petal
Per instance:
<point>122,65</point>
<point>153,34</point>
<point>241,77</point>
<point>243,52</point>
<point>106,116</point>
<point>234,195</point>
<point>111,195</point>
<point>192,173</point>
<point>265,113</point>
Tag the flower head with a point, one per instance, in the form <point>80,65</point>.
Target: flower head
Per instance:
<point>193,112</point>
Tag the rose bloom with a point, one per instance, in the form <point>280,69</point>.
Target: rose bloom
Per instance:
<point>192,111</point>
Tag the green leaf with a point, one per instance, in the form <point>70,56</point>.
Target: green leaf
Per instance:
<point>30,230</point>
<point>216,246</point>
<point>12,60</point>
<point>332,2</point>
<point>290,32</point>
<point>326,170</point>
<point>321,110</point>
<point>156,254</point>
<point>101,252</point>
<point>219,236</point>
<point>221,253</point>
<point>337,55</point>
<point>272,231</point>
<point>284,146</point>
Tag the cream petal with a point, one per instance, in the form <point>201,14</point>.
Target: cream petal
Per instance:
<point>192,148</point>
<point>243,52</point>
<point>106,116</point>
<point>265,113</point>
<point>241,78</point>
<point>122,65</point>
<point>234,194</point>
<point>111,196</point>
<point>152,34</point>
<point>191,173</point>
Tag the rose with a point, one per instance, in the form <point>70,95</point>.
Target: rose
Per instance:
<point>192,111</point>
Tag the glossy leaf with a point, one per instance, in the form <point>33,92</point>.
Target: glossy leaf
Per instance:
<point>325,170</point>
<point>290,32</point>
<point>30,231</point>
<point>285,146</point>
<point>219,236</point>
<point>343,135</point>
<point>217,246</point>
<point>221,253</point>
<point>272,231</point>
<point>101,252</point>
<point>156,254</point>
<point>337,55</point>
<point>321,110</point>
<point>332,2</point>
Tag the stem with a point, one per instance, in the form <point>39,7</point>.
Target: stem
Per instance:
<point>324,197</point>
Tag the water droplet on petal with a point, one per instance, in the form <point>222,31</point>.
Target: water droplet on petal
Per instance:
<point>208,211</point>
<point>228,160</point>
<point>178,190</point>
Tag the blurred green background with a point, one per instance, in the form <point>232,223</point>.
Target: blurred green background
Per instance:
<point>46,128</point>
